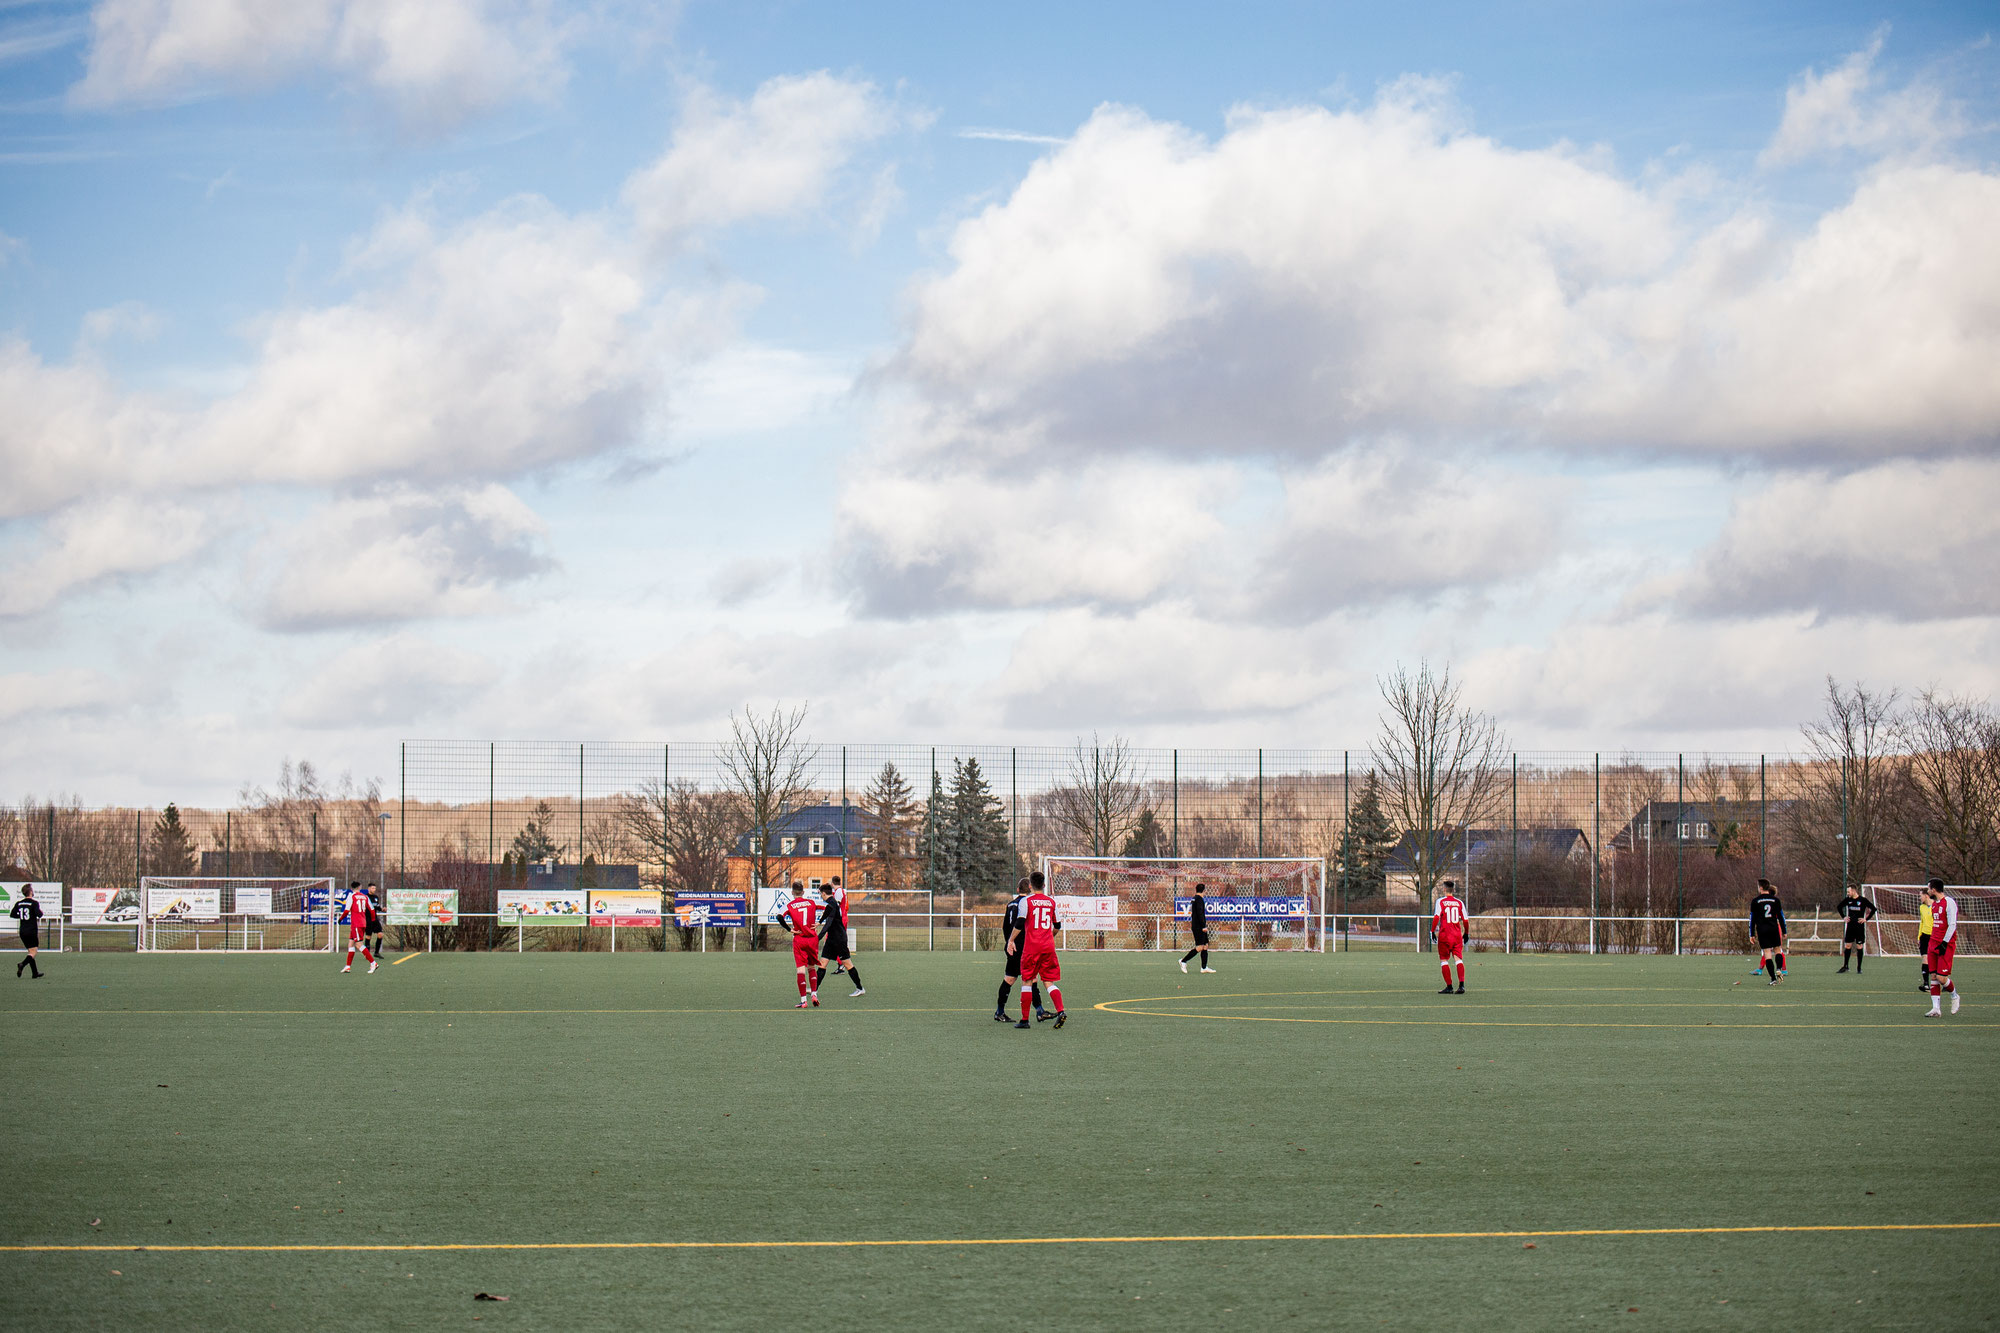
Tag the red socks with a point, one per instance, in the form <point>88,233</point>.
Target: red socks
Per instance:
<point>1446,969</point>
<point>1056,996</point>
<point>1461,974</point>
<point>350,958</point>
<point>802,984</point>
<point>1026,1012</point>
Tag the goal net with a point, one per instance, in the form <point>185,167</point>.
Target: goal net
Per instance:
<point>1105,902</point>
<point>1895,930</point>
<point>179,913</point>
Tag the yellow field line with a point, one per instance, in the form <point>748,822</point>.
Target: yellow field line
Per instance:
<point>404,959</point>
<point>988,1240</point>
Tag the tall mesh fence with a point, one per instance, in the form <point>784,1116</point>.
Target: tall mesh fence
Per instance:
<point>1650,844</point>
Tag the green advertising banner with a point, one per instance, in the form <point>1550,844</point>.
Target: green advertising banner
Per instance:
<point>421,907</point>
<point>542,908</point>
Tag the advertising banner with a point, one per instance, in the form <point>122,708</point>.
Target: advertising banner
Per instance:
<point>188,902</point>
<point>771,900</point>
<point>49,895</point>
<point>1246,909</point>
<point>99,907</point>
<point>253,900</point>
<point>1080,913</point>
<point>421,907</point>
<point>313,905</point>
<point>692,910</point>
<point>624,907</point>
<point>547,908</point>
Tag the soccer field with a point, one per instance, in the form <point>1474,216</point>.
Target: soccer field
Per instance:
<point>663,1140</point>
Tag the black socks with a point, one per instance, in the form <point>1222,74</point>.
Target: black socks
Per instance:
<point>1771,966</point>
<point>1001,1005</point>
<point>854,974</point>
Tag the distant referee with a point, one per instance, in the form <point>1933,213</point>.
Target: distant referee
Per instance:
<point>1198,927</point>
<point>1858,911</point>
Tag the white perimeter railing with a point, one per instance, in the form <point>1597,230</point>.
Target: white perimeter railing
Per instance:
<point>973,932</point>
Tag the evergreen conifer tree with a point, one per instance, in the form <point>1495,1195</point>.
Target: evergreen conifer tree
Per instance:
<point>169,849</point>
<point>984,857</point>
<point>1365,845</point>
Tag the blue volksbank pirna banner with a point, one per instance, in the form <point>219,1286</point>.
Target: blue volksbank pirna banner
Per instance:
<point>1245,909</point>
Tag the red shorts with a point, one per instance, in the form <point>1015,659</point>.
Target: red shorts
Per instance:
<point>1040,965</point>
<point>355,934</point>
<point>1939,961</point>
<point>805,952</point>
<point>1450,944</point>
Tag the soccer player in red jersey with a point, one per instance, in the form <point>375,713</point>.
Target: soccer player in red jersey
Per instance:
<point>802,919</point>
<point>358,908</point>
<point>1944,943</point>
<point>1448,917</point>
<point>1038,948</point>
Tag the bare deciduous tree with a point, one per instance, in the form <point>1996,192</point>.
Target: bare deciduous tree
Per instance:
<point>1101,799</point>
<point>1847,785</point>
<point>1441,765</point>
<point>1949,814</point>
<point>685,831</point>
<point>769,767</point>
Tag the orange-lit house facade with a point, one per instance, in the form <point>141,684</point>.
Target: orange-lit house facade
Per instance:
<point>812,845</point>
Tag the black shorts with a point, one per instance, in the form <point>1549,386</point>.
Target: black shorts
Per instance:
<point>1856,934</point>
<point>1013,964</point>
<point>1770,938</point>
<point>1923,947</point>
<point>31,937</point>
<point>834,946</point>
<point>1200,936</point>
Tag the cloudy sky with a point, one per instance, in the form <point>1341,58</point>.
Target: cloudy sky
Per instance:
<point>513,368</point>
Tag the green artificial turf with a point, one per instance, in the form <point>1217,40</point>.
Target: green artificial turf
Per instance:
<point>636,1097</point>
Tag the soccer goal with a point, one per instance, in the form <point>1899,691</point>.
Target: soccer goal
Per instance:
<point>1895,930</point>
<point>1269,902</point>
<point>194,915</point>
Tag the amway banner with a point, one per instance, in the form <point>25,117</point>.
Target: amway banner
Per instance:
<point>1245,909</point>
<point>1078,913</point>
<point>421,907</point>
<point>548,909</point>
<point>624,907</point>
<point>711,909</point>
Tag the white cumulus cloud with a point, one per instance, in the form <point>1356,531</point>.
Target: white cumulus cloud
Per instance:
<point>96,541</point>
<point>434,62</point>
<point>399,556</point>
<point>1847,108</point>
<point>775,154</point>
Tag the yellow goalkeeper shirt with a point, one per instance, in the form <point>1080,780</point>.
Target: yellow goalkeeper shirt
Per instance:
<point>1924,917</point>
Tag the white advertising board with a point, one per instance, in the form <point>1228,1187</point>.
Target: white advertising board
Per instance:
<point>1081,913</point>
<point>186,902</point>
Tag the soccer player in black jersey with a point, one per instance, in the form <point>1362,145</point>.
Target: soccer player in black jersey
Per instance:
<point>833,941</point>
<point>1012,930</point>
<point>27,915</point>
<point>1767,927</point>
<point>1198,927</point>
<point>1859,911</point>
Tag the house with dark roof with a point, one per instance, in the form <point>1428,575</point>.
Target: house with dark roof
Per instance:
<point>808,844</point>
<point>1457,850</point>
<point>1692,823</point>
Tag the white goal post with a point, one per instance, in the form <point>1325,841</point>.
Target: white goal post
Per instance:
<point>192,914</point>
<point>1894,932</point>
<point>1128,902</point>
